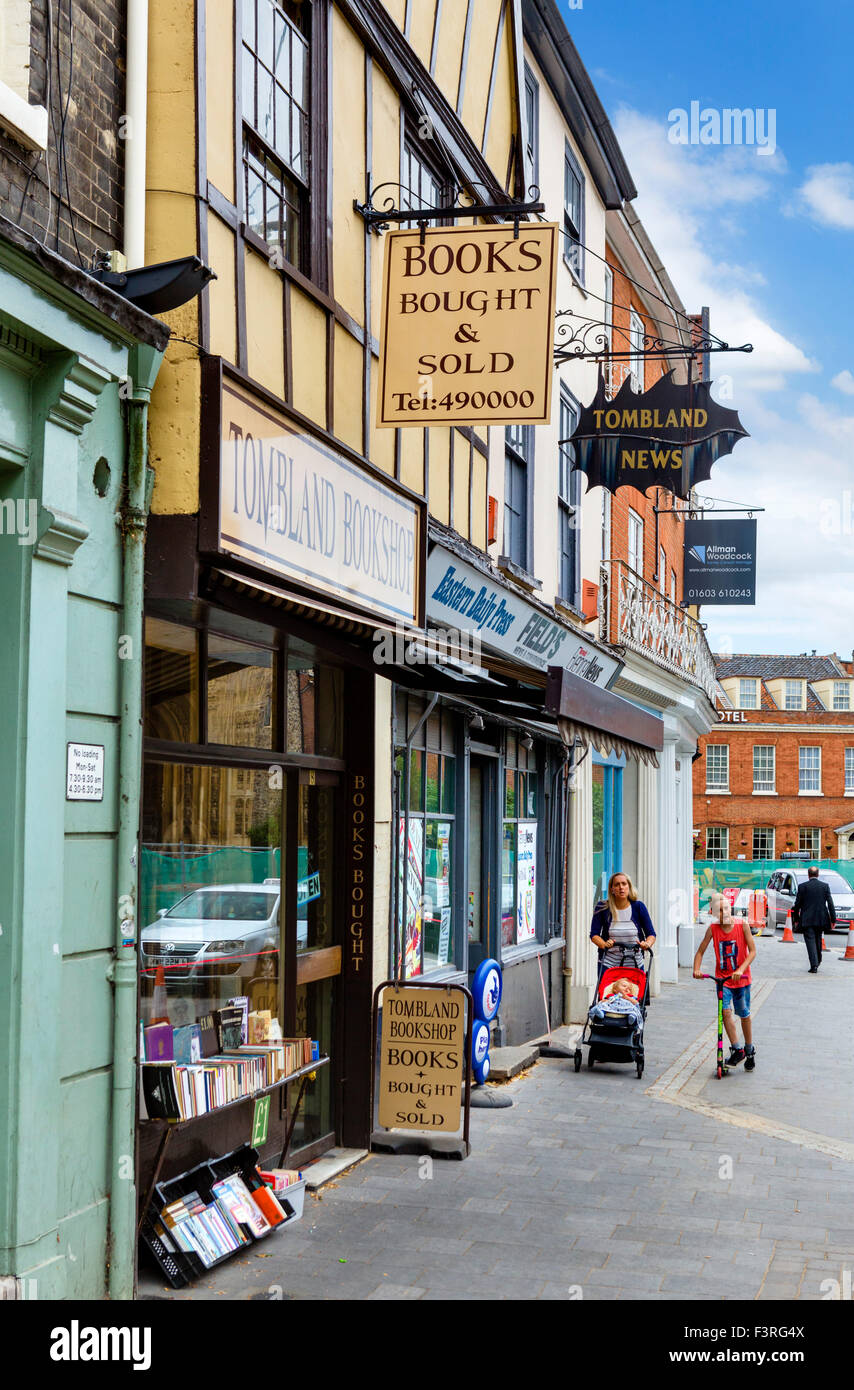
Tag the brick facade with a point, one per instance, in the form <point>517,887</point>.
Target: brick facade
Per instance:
<point>787,812</point>
<point>670,528</point>
<point>93,103</point>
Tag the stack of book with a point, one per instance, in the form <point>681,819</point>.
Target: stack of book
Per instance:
<point>181,1091</point>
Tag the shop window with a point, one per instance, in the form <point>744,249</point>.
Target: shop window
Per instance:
<point>209,896</point>
<point>315,716</point>
<point>519,889</point>
<point>426,861</point>
<point>241,693</point>
<point>275,96</point>
<point>171,682</point>
<point>607,812</point>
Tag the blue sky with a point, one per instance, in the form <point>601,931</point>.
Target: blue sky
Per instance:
<point>766,242</point>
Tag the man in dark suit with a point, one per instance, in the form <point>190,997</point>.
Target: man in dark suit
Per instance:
<point>812,914</point>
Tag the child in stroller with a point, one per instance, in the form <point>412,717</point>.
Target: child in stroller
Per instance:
<point>614,1028</point>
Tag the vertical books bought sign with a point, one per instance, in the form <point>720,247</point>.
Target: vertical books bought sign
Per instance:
<point>467,326</point>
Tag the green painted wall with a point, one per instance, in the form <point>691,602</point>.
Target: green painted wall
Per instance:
<point>61,415</point>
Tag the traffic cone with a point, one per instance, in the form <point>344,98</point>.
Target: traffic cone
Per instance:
<point>823,942</point>
<point>788,934</point>
<point>849,949</point>
<point>159,1009</point>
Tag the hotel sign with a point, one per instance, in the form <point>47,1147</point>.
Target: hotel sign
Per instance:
<point>668,437</point>
<point>462,597</point>
<point>291,503</point>
<point>467,326</point>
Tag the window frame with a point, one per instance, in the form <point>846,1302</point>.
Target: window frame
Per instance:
<point>569,500</point>
<point>518,457</point>
<point>532,124</point>
<point>635,520</point>
<point>723,831</point>
<point>841,689</point>
<point>814,847</point>
<point>759,786</point>
<point>848,771</point>
<point>717,748</point>
<point>742,682</point>
<point>763,830</point>
<point>573,234</point>
<point>790,695</point>
<point>809,769</point>
<point>637,332</point>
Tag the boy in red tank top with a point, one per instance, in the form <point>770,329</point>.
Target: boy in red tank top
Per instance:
<point>735,949</point>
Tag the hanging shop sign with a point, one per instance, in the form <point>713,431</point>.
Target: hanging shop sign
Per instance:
<point>669,436</point>
<point>720,562</point>
<point>467,326</point>
<point>462,597</point>
<point>291,503</point>
<point>422,1052</point>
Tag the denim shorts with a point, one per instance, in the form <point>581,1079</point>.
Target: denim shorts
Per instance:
<point>738,999</point>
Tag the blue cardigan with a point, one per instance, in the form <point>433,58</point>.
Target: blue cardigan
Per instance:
<point>601,923</point>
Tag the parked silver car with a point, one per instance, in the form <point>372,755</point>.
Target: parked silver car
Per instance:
<point>783,885</point>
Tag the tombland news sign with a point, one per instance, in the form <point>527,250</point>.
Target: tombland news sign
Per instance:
<point>467,326</point>
<point>290,503</point>
<point>720,562</point>
<point>422,1058</point>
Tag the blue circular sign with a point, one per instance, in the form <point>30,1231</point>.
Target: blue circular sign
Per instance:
<point>486,990</point>
<point>479,1042</point>
<point>482,1072</point>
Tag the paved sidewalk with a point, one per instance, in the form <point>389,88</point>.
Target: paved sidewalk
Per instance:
<point>601,1186</point>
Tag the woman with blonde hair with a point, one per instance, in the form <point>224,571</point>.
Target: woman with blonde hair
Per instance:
<point>621,922</point>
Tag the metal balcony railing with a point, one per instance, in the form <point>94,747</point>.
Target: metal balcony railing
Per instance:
<point>640,618</point>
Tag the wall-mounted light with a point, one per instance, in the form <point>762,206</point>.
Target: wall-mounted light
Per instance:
<point>527,741</point>
<point>475,722</point>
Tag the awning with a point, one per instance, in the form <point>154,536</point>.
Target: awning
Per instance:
<point>598,717</point>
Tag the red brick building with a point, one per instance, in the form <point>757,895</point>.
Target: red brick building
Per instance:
<point>777,775</point>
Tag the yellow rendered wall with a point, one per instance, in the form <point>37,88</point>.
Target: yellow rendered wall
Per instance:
<point>452,28</point>
<point>386,168</point>
<point>348,168</point>
<point>174,432</point>
<point>478,501</point>
<point>421,28</point>
<point>171,130</point>
<point>382,441</point>
<point>440,475</point>
<point>462,453</point>
<point>481,48</point>
<point>501,121</point>
<point>265,339</point>
<point>308,353</point>
<point>412,459</point>
<point>397,10</point>
<point>219,106</point>
<point>222,292</point>
<point>349,361</point>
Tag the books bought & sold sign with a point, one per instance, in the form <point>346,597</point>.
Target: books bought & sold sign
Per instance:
<point>467,326</point>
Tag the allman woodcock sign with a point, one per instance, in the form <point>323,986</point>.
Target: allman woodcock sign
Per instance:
<point>669,436</point>
<point>467,326</point>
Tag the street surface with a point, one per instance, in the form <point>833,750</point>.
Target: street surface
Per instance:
<point>600,1186</point>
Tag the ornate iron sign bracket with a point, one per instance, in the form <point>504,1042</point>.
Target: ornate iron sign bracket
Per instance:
<point>379,218</point>
<point>590,343</point>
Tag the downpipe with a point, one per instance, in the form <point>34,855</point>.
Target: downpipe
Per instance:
<point>144,363</point>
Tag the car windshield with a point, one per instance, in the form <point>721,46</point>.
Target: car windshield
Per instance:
<point>220,905</point>
<point>836,883</point>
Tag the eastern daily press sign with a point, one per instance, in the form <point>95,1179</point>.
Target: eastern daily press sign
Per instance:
<point>720,562</point>
<point>467,326</point>
<point>290,503</point>
<point>459,596</point>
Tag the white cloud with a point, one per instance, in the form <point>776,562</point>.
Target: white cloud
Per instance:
<point>828,195</point>
<point>844,382</point>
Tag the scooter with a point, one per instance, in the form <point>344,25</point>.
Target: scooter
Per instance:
<point>722,1069</point>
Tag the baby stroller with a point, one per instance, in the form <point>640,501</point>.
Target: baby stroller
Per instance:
<point>616,1038</point>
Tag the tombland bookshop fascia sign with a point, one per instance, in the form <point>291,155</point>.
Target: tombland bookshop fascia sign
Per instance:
<point>461,597</point>
<point>290,503</point>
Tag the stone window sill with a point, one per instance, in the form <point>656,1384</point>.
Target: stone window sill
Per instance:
<point>26,124</point>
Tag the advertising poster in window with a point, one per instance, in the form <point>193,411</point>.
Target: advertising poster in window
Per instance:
<point>413,897</point>
<point>526,881</point>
